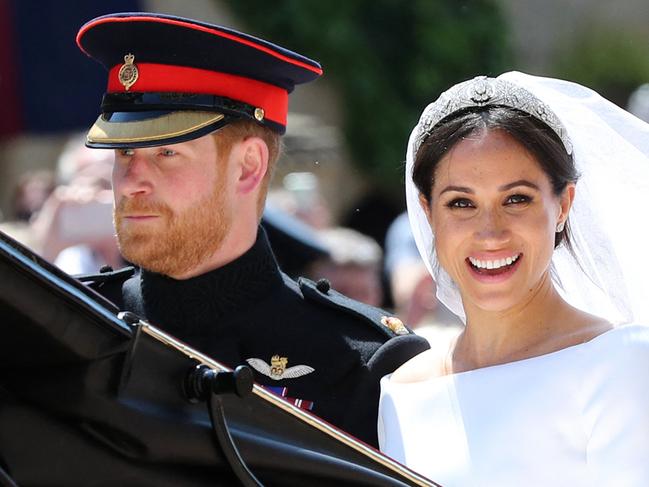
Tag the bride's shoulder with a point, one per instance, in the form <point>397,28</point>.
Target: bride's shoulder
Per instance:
<point>432,362</point>
<point>420,367</point>
<point>626,335</point>
<point>623,346</point>
<point>617,361</point>
<point>599,335</point>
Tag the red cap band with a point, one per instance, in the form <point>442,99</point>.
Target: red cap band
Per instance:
<point>181,79</point>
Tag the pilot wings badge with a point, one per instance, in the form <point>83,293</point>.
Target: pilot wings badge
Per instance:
<point>277,369</point>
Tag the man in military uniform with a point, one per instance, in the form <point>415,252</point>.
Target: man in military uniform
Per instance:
<point>194,113</point>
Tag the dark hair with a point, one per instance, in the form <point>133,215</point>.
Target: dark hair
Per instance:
<point>539,139</point>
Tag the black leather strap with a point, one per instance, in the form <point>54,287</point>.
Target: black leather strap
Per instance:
<point>224,441</point>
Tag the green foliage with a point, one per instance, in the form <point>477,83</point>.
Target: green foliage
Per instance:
<point>613,63</point>
<point>388,60</point>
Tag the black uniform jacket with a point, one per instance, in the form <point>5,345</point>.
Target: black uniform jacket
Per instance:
<point>316,347</point>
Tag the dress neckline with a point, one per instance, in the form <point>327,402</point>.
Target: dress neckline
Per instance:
<point>548,355</point>
<point>538,358</point>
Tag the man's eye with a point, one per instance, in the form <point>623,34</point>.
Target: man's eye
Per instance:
<point>517,199</point>
<point>460,203</point>
<point>168,152</point>
<point>126,152</point>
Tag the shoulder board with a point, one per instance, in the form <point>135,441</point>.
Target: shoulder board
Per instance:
<point>321,292</point>
<point>110,275</point>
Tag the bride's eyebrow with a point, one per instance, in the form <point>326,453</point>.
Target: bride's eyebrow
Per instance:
<point>520,182</point>
<point>459,189</point>
<point>504,187</point>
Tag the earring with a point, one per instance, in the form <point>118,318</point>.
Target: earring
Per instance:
<point>560,226</point>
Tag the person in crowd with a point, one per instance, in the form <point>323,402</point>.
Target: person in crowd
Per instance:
<point>75,227</point>
<point>31,192</point>
<point>300,195</point>
<point>526,198</point>
<point>195,120</point>
<point>413,288</point>
<point>295,244</point>
<point>351,266</point>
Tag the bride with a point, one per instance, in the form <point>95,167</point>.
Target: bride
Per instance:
<point>525,196</point>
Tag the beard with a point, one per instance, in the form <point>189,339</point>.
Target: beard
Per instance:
<point>180,241</point>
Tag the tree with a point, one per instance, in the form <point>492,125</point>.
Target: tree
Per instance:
<point>388,59</point>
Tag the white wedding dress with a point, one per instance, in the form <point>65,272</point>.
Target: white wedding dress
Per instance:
<point>575,417</point>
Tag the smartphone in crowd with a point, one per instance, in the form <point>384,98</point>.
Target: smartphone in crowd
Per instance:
<point>89,221</point>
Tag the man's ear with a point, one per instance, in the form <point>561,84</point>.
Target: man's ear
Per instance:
<point>253,164</point>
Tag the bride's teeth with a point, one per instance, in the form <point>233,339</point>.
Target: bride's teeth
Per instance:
<point>493,264</point>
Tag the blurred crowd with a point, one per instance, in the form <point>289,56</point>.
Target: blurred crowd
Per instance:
<point>356,265</point>
<point>65,215</point>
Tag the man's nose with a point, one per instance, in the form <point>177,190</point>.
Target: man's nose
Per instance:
<point>133,177</point>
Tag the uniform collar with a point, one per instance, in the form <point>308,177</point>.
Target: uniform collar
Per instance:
<point>193,307</point>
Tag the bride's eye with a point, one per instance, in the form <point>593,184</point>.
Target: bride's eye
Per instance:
<point>517,199</point>
<point>460,203</point>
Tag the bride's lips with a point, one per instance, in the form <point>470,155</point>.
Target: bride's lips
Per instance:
<point>491,275</point>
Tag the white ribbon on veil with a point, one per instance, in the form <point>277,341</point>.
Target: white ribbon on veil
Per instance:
<point>609,219</point>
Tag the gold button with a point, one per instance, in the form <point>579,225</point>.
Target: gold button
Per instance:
<point>394,324</point>
<point>259,114</point>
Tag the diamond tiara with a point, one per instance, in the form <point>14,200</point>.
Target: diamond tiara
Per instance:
<point>483,91</point>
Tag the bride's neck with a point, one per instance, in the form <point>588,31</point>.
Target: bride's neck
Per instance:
<point>495,337</point>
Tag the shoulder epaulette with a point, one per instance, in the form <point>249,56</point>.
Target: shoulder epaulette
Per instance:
<point>322,293</point>
<point>107,274</point>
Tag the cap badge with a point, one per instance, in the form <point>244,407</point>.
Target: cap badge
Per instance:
<point>128,73</point>
<point>277,369</point>
<point>394,324</point>
<point>259,114</point>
